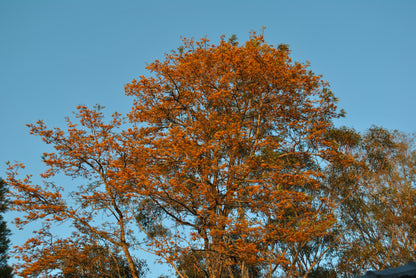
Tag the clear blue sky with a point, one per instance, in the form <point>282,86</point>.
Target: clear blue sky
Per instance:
<point>56,54</point>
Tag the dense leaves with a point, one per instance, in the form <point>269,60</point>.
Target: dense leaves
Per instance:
<point>227,165</point>
<point>234,141</point>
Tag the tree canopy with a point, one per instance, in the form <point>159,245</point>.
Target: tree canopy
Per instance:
<point>227,165</point>
<point>379,216</point>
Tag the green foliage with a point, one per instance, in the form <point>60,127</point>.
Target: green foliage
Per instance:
<point>233,39</point>
<point>321,272</point>
<point>378,193</point>
<point>5,270</point>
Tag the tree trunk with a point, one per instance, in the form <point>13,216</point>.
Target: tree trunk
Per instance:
<point>130,260</point>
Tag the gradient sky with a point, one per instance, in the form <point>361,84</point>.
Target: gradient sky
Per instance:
<point>57,54</point>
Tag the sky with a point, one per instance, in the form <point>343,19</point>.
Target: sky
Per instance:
<point>55,55</point>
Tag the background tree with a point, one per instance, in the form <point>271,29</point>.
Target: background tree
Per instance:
<point>5,269</point>
<point>379,215</point>
<point>234,143</point>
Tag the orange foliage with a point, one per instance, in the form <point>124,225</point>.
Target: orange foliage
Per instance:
<point>225,145</point>
<point>234,138</point>
<point>93,152</point>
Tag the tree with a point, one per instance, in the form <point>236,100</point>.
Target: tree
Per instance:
<point>233,139</point>
<point>221,166</point>
<point>379,217</point>
<point>100,208</point>
<point>5,269</point>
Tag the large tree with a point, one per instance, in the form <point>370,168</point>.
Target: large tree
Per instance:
<point>234,142</point>
<point>220,166</point>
